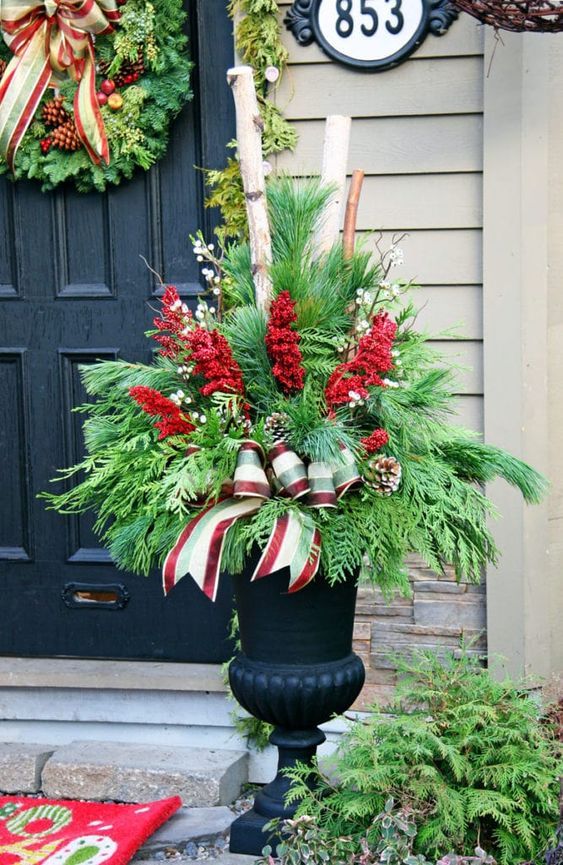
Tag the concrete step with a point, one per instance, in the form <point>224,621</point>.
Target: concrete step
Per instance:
<point>193,835</point>
<point>21,767</point>
<point>121,772</point>
<point>190,826</point>
<point>141,773</point>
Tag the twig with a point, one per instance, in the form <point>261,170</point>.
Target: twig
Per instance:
<point>351,217</point>
<point>249,140</point>
<point>153,271</point>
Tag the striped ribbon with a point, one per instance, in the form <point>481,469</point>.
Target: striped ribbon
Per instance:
<point>50,39</point>
<point>290,471</point>
<point>294,542</point>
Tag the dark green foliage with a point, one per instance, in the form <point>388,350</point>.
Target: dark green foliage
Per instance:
<point>138,133</point>
<point>467,756</point>
<point>245,328</point>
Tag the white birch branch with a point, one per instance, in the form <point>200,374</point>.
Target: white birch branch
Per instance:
<point>335,163</point>
<point>249,139</point>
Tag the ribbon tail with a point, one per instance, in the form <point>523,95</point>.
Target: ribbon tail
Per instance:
<point>23,84</point>
<point>200,545</point>
<point>306,559</point>
<point>293,544</point>
<point>87,114</point>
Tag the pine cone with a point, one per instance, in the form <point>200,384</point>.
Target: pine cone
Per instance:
<point>65,137</point>
<point>54,113</point>
<point>3,65</point>
<point>384,475</point>
<point>276,427</point>
<point>128,73</point>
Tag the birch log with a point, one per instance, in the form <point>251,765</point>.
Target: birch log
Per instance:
<point>351,217</point>
<point>249,139</point>
<point>335,162</point>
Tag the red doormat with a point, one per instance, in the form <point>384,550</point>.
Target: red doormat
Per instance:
<point>49,832</point>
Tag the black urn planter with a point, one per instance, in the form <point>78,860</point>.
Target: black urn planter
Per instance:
<point>296,670</point>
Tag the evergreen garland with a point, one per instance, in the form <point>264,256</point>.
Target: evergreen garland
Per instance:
<point>258,42</point>
<point>423,485</point>
<point>138,130</point>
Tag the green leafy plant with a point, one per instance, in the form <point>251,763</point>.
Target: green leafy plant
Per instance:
<point>468,757</point>
<point>389,840</point>
<point>305,844</point>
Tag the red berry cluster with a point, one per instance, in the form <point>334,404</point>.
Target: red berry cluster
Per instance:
<point>214,360</point>
<point>172,421</point>
<point>374,356</point>
<point>282,343</point>
<point>46,143</point>
<point>374,442</point>
<point>174,318</point>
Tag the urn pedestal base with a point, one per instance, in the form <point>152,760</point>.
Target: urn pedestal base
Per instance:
<point>247,832</point>
<point>295,698</point>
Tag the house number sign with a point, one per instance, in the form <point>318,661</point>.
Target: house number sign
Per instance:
<point>371,35</point>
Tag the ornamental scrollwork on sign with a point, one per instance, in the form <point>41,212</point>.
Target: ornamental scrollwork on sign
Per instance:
<point>369,35</point>
<point>298,20</point>
<point>443,14</point>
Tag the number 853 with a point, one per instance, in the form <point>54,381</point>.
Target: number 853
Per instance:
<point>345,22</point>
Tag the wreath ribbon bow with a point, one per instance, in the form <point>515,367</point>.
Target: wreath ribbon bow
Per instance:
<point>294,542</point>
<point>49,40</point>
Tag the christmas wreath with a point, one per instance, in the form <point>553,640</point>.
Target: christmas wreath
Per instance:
<point>314,429</point>
<point>89,87</point>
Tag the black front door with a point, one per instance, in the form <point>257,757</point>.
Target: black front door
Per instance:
<point>73,289</point>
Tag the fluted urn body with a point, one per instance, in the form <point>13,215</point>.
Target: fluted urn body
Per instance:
<point>296,670</point>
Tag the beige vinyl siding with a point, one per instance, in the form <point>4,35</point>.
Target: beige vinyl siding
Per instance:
<point>417,132</point>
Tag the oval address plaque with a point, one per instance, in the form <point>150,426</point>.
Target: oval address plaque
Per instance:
<point>371,35</point>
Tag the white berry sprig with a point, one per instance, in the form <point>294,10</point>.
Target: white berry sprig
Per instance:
<point>212,271</point>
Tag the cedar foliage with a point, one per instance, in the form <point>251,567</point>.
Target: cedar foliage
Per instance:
<point>469,757</point>
<point>143,491</point>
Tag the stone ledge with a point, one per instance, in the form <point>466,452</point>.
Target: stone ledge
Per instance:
<point>141,773</point>
<point>21,766</point>
<point>111,675</point>
<point>188,824</point>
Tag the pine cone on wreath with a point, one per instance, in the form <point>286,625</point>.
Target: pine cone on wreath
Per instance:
<point>128,73</point>
<point>54,113</point>
<point>276,427</point>
<point>384,475</point>
<point>3,65</point>
<point>65,137</point>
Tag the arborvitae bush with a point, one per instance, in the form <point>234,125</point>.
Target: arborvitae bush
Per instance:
<point>469,757</point>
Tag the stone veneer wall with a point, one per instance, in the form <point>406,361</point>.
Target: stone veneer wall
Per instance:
<point>437,616</point>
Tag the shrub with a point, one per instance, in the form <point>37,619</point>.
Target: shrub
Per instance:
<point>467,756</point>
<point>389,840</point>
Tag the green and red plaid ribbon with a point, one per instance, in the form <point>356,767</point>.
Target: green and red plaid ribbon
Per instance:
<point>294,542</point>
<point>49,40</point>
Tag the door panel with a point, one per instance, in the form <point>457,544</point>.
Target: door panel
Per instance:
<point>73,290</point>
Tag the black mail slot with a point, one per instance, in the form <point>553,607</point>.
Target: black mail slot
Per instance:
<point>96,596</point>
